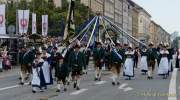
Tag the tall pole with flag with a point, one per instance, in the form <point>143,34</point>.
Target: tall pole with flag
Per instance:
<point>70,26</point>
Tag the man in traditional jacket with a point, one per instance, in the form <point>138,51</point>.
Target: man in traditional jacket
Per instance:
<point>28,59</point>
<point>151,59</point>
<point>76,63</point>
<point>22,51</point>
<point>116,63</point>
<point>66,54</point>
<point>99,55</point>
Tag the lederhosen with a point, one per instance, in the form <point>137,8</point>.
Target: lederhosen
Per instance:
<point>115,61</point>
<point>99,54</point>
<point>151,59</point>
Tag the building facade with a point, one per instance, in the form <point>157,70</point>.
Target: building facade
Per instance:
<point>154,33</point>
<point>144,19</point>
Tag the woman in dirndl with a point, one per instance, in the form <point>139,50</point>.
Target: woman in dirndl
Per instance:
<point>46,68</point>
<point>129,64</point>
<point>143,62</point>
<point>164,65</point>
<point>38,80</point>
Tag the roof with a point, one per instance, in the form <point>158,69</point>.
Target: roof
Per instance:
<point>138,7</point>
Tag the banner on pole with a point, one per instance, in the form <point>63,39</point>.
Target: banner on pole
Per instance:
<point>34,29</point>
<point>2,19</point>
<point>23,17</point>
<point>44,25</point>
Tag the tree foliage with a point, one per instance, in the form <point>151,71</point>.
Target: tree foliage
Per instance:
<point>55,14</point>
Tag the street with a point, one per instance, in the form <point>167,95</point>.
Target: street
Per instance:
<point>138,88</point>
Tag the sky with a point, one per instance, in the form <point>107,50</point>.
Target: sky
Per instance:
<point>166,13</point>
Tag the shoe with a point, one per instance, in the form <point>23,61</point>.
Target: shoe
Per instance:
<point>33,91</point>
<point>26,78</point>
<point>21,83</point>
<point>75,85</point>
<point>99,79</point>
<point>29,83</point>
<point>95,79</point>
<point>113,83</point>
<point>57,90</point>
<point>148,77</point>
<point>118,83</point>
<point>65,89</point>
<point>68,83</point>
<point>19,78</point>
<point>77,88</point>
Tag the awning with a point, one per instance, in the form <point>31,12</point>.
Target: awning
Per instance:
<point>5,36</point>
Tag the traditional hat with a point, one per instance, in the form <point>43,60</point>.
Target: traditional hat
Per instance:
<point>55,48</point>
<point>38,53</point>
<point>125,44</point>
<point>98,43</point>
<point>77,46</point>
<point>151,44</point>
<point>118,44</point>
<point>59,56</point>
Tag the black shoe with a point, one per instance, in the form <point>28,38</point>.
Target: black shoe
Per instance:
<point>95,79</point>
<point>26,78</point>
<point>33,91</point>
<point>75,85</point>
<point>99,79</point>
<point>68,83</point>
<point>19,78</point>
<point>21,83</point>
<point>118,83</point>
<point>57,90</point>
<point>113,83</point>
<point>77,88</point>
<point>65,89</point>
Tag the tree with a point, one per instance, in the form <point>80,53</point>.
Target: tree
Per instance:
<point>55,14</point>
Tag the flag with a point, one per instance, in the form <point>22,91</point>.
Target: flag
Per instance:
<point>23,17</point>
<point>44,25</point>
<point>2,19</point>
<point>34,29</point>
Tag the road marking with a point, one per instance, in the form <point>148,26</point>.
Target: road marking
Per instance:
<point>78,92</point>
<point>128,89</point>
<point>99,83</point>
<point>122,86</point>
<point>10,87</point>
<point>172,86</point>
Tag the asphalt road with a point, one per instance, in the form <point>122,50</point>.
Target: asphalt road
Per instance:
<point>138,88</point>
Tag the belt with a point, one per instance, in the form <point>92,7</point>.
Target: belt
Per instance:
<point>75,65</point>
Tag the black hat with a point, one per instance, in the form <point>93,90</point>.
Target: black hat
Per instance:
<point>38,53</point>
<point>44,48</point>
<point>151,44</point>
<point>118,44</point>
<point>98,43</point>
<point>125,44</point>
<point>59,56</point>
<point>77,46</point>
<point>55,48</point>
